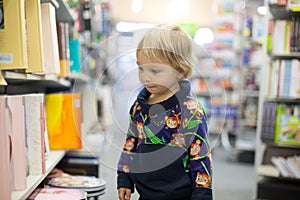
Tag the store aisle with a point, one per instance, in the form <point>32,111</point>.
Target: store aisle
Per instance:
<point>232,180</point>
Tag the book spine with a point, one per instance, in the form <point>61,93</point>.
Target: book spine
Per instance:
<point>34,36</point>
<point>34,131</point>
<point>5,189</point>
<point>16,108</point>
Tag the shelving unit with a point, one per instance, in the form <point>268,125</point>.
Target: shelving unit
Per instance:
<point>269,182</point>
<point>34,180</point>
<point>20,82</point>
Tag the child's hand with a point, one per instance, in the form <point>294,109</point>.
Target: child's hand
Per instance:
<point>124,193</point>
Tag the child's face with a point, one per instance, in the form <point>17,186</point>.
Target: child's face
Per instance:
<point>157,77</point>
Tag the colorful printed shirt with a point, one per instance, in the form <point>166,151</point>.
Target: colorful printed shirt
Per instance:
<point>166,154</point>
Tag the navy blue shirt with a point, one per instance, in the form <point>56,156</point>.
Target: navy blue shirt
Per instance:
<point>166,154</point>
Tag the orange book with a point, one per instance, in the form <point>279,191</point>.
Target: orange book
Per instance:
<point>5,189</point>
<point>64,120</point>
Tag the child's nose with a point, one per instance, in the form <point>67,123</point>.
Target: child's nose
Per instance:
<point>146,77</point>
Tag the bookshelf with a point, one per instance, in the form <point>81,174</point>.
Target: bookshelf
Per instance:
<point>270,183</point>
<point>16,81</point>
<point>34,180</point>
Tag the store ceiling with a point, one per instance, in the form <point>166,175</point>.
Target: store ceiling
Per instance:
<point>157,11</point>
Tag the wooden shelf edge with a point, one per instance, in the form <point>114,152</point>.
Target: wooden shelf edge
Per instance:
<point>34,180</point>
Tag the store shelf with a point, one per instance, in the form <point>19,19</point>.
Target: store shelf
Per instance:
<point>34,180</point>
<point>286,100</point>
<point>49,80</point>
<point>282,12</point>
<point>282,145</point>
<point>79,77</point>
<point>250,93</point>
<point>291,55</point>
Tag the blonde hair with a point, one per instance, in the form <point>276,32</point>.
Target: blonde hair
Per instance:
<point>167,42</point>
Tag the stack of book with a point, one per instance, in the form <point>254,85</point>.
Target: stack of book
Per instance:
<point>287,166</point>
<point>57,194</point>
<point>281,122</point>
<point>92,185</point>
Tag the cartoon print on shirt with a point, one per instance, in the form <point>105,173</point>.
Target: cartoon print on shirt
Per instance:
<point>140,130</point>
<point>202,180</point>
<point>178,139</point>
<point>125,168</point>
<point>129,144</point>
<point>195,149</point>
<point>210,158</point>
<point>172,121</point>
<point>194,108</point>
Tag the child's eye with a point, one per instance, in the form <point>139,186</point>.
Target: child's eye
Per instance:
<point>154,71</point>
<point>140,69</point>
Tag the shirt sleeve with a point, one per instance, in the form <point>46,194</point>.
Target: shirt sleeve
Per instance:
<point>199,158</point>
<point>129,148</point>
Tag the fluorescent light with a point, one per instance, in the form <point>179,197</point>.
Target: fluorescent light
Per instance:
<point>179,7</point>
<point>137,6</point>
<point>262,10</point>
<point>131,26</point>
<point>204,36</point>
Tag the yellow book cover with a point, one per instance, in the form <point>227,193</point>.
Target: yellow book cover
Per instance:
<point>13,50</point>
<point>34,36</point>
<point>64,120</point>
<point>50,41</point>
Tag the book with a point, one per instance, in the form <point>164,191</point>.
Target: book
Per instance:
<point>294,5</point>
<point>34,36</point>
<point>270,31</point>
<point>279,164</point>
<point>15,105</point>
<point>279,37</point>
<point>294,90</point>
<point>285,79</point>
<point>64,120</point>
<point>57,194</point>
<point>5,189</point>
<point>287,124</point>
<point>35,132</point>
<point>13,48</point>
<point>63,47</point>
<point>50,41</point>
<point>75,60</point>
<point>268,170</point>
<point>293,166</point>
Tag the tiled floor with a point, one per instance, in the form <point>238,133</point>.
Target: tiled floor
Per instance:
<point>231,180</point>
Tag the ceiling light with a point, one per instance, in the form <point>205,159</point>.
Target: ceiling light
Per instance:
<point>262,10</point>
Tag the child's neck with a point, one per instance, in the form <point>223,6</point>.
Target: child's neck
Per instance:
<point>157,98</point>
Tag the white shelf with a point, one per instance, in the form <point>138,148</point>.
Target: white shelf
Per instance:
<point>47,80</point>
<point>79,77</point>
<point>34,180</point>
